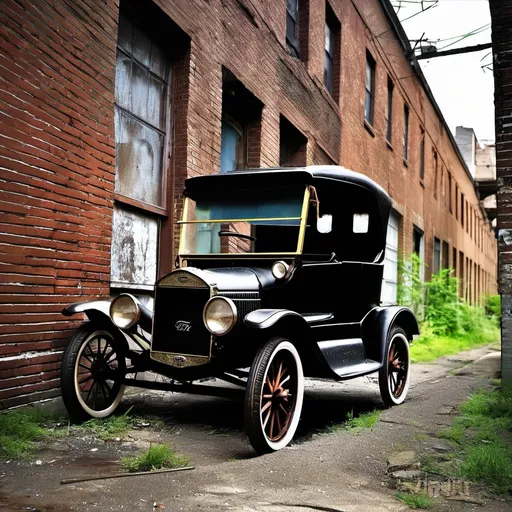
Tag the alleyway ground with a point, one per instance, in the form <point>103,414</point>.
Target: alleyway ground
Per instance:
<point>339,472</point>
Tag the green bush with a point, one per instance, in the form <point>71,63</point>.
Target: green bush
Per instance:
<point>410,290</point>
<point>442,308</point>
<point>493,306</point>
<point>448,323</point>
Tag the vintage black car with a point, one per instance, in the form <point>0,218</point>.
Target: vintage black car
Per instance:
<point>278,277</point>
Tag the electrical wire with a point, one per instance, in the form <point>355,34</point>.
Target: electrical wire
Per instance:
<point>469,34</point>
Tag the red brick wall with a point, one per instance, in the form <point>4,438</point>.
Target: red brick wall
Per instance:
<point>57,69</point>
<point>56,179</point>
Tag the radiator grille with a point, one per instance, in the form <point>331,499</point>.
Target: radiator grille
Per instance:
<point>245,302</point>
<point>178,321</point>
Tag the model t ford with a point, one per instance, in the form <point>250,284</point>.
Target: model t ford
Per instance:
<point>279,277</point>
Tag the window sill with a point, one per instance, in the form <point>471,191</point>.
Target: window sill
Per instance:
<point>389,145</point>
<point>369,128</point>
<point>422,183</point>
<point>140,205</point>
<point>406,162</point>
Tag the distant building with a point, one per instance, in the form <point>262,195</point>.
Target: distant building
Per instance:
<point>480,158</point>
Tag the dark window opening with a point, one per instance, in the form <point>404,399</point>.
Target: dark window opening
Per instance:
<point>389,112</point>
<point>461,275</point>
<point>417,240</point>
<point>450,193</point>
<point>332,52</point>
<point>462,213</point>
<point>456,202</point>
<point>369,102</point>
<point>445,255</point>
<point>422,153</point>
<point>436,177</point>
<point>406,133</point>
<point>418,248</point>
<point>437,255</point>
<point>241,125</point>
<point>297,25</point>
<point>292,145</point>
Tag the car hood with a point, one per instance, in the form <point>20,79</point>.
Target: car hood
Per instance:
<point>241,279</point>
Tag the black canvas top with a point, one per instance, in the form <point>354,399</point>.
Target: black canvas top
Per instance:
<point>272,177</point>
<point>255,179</point>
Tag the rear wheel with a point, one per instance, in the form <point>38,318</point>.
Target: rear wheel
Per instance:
<point>274,395</point>
<point>92,372</point>
<point>394,375</point>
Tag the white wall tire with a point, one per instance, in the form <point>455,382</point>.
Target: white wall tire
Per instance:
<point>394,376</point>
<point>91,374</point>
<point>274,396</point>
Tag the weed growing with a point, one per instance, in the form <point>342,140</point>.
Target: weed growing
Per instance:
<point>21,429</point>
<point>157,456</point>
<point>362,421</point>
<point>419,501</point>
<point>106,428</point>
<point>481,432</point>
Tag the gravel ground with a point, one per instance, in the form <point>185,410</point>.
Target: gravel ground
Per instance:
<point>343,471</point>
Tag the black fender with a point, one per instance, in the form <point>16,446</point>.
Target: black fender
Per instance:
<point>267,318</point>
<point>377,324</point>
<point>99,310</point>
<point>94,309</point>
<point>293,326</point>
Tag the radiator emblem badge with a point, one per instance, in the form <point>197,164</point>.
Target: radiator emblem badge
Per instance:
<point>183,326</point>
<point>179,360</point>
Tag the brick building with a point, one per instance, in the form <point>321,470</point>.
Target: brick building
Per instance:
<point>501,14</point>
<point>106,108</point>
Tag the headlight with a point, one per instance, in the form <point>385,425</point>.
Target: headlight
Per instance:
<point>125,311</point>
<point>280,269</point>
<point>219,315</point>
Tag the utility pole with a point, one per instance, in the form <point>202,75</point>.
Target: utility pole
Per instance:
<point>454,51</point>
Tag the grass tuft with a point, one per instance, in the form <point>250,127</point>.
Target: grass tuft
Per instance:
<point>480,432</point>
<point>420,500</point>
<point>157,456</point>
<point>363,420</point>
<point>106,428</point>
<point>490,463</point>
<point>21,429</point>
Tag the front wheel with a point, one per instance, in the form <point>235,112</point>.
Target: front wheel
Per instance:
<point>394,375</point>
<point>274,395</point>
<point>92,372</point>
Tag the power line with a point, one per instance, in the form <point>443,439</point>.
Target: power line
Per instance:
<point>469,34</point>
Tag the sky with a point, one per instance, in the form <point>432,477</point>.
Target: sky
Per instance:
<point>462,89</point>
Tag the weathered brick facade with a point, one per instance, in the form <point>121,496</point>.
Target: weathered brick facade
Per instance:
<point>501,13</point>
<point>57,145</point>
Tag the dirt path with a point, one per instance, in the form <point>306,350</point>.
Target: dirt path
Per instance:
<point>341,471</point>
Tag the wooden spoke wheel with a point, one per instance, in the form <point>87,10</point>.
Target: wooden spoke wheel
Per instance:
<point>274,395</point>
<point>394,375</point>
<point>92,372</point>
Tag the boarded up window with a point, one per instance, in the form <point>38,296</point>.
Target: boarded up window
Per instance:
<point>134,249</point>
<point>142,77</point>
<point>141,91</point>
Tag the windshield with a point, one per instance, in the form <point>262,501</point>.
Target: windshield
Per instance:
<point>269,222</point>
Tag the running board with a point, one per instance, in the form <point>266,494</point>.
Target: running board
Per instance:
<point>357,370</point>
